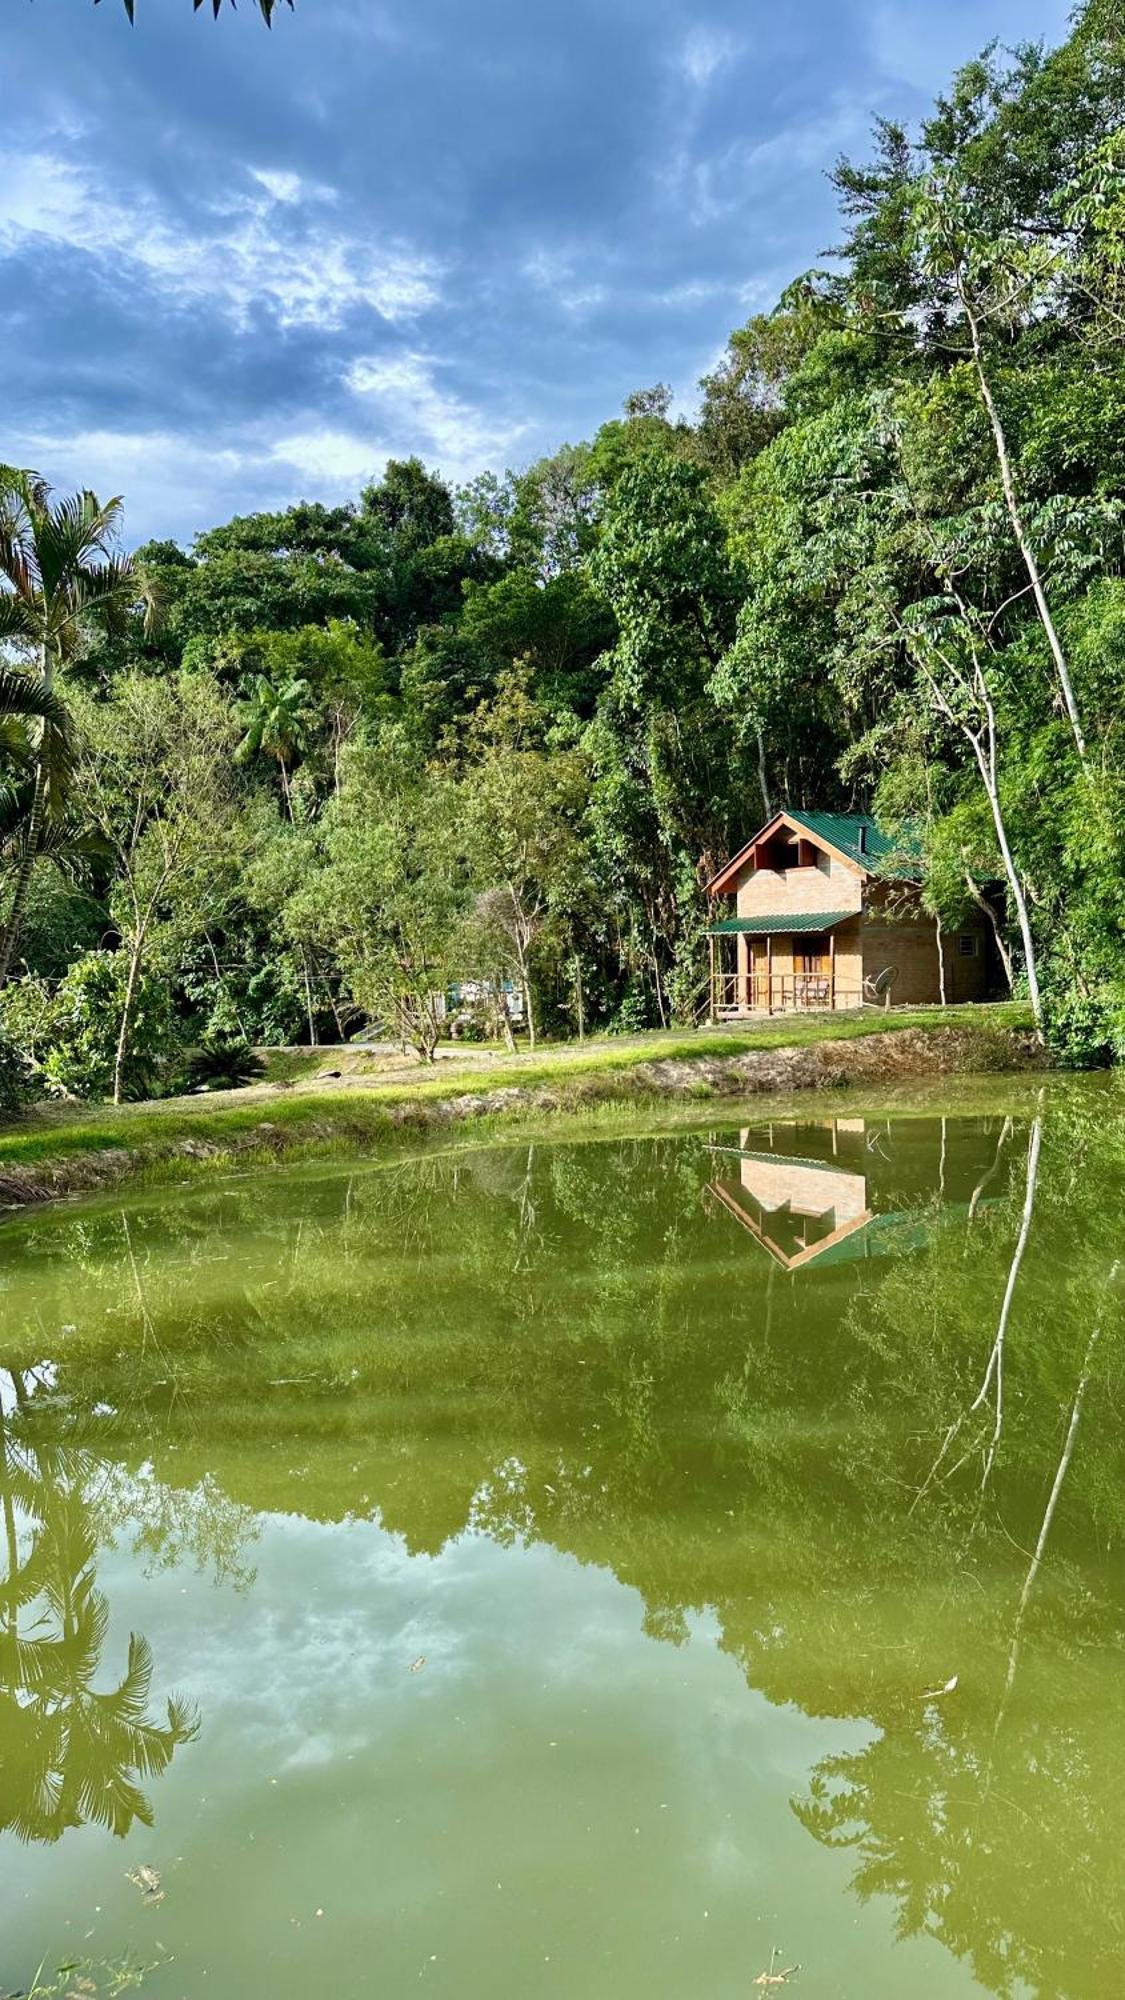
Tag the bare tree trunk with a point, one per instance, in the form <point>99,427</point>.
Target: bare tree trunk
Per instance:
<point>762,775</point>
<point>940,959</point>
<point>982,903</point>
<point>528,1005</point>
<point>995,1369</point>
<point>578,998</point>
<point>1019,530</point>
<point>1052,1503</point>
<point>1016,887</point>
<point>660,1007</point>
<point>10,1534</point>
<point>505,1016</point>
<point>14,921</point>
<point>127,1012</point>
<point>308,998</point>
<point>285,792</point>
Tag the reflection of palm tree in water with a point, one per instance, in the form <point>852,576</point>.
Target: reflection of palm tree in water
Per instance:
<point>69,1753</point>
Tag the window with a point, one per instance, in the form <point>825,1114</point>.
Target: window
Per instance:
<point>967,945</point>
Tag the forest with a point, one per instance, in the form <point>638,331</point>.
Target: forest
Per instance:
<point>293,784</point>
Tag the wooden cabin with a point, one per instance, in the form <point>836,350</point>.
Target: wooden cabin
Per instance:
<point>827,914</point>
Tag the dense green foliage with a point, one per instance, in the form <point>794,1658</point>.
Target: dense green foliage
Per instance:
<point>504,734</point>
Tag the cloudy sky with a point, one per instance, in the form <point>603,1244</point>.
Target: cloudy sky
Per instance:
<point>237,268</point>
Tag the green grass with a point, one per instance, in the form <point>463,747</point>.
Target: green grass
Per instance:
<point>359,1111</point>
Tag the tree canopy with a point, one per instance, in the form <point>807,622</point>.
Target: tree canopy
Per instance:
<point>518,724</point>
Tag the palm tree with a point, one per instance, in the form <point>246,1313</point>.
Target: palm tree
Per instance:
<point>276,718</point>
<point>60,571</point>
<point>266,8</point>
<point>70,1754</point>
<point>23,699</point>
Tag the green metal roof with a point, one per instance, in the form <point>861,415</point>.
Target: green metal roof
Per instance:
<point>798,921</point>
<point>858,836</point>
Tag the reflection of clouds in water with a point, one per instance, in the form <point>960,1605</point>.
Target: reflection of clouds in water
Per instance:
<point>312,1667</point>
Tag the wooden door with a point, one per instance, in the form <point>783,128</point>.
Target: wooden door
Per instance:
<point>812,967</point>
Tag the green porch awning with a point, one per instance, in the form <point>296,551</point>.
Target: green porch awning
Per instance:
<point>794,925</point>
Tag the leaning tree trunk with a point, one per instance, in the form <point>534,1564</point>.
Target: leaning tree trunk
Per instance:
<point>9,936</point>
<point>1023,541</point>
<point>1014,884</point>
<point>127,1006</point>
<point>940,960</point>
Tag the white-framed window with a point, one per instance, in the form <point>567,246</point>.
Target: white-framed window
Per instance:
<point>967,945</point>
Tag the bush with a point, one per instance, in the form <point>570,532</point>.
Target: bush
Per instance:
<point>76,1035</point>
<point>1084,1030</point>
<point>18,1084</point>
<point>221,1062</point>
<point>633,1015</point>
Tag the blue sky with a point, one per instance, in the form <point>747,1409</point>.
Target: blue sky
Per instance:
<point>239,268</point>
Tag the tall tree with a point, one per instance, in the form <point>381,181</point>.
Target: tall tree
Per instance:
<point>61,572</point>
<point>156,783</point>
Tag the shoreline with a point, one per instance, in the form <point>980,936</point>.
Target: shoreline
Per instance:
<point>44,1159</point>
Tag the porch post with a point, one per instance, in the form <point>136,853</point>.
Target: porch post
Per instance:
<point>769,974</point>
<point>743,972</point>
<point>832,971</point>
<point>712,994</point>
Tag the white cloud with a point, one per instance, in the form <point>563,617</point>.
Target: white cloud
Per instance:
<point>703,52</point>
<point>329,457</point>
<point>563,273</point>
<point>240,262</point>
<point>171,485</point>
<point>282,185</point>
<point>418,414</point>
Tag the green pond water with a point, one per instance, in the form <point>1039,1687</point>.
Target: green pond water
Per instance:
<point>596,1567</point>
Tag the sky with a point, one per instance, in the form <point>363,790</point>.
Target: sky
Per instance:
<point>241,268</point>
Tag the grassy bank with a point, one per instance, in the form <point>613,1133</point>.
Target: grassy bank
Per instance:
<point>59,1150</point>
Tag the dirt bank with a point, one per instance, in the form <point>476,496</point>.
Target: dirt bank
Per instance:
<point>327,1124</point>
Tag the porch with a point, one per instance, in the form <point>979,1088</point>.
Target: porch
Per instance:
<point>783,965</point>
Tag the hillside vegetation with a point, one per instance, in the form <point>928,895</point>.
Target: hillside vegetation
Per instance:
<point>311,772</point>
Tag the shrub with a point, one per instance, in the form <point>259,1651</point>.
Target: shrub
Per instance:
<point>18,1084</point>
<point>1084,1030</point>
<point>221,1062</point>
<point>633,1015</point>
<point>78,1038</point>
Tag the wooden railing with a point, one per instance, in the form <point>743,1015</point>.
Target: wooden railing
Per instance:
<point>734,994</point>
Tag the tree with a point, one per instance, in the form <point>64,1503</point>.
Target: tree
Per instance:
<point>266,8</point>
<point>156,782</point>
<point>277,724</point>
<point>994,281</point>
<point>70,1753</point>
<point>522,803</point>
<point>60,573</point>
<point>389,901</point>
<point>23,700</point>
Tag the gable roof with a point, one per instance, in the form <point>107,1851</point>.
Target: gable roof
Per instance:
<point>855,834</point>
<point>856,837</point>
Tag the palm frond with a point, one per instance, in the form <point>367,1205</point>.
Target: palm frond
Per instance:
<point>73,532</point>
<point>24,695</point>
<point>17,615</point>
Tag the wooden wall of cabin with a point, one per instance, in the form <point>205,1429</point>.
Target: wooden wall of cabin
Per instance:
<point>828,884</point>
<point>911,946</point>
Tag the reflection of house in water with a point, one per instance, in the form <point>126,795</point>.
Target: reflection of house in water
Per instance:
<point>834,1189</point>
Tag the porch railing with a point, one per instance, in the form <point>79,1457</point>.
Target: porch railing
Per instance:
<point>734,994</point>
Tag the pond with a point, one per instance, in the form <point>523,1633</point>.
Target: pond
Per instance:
<point>605,1566</point>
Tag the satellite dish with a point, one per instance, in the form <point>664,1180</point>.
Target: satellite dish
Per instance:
<point>879,987</point>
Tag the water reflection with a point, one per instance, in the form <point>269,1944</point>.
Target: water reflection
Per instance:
<point>900,1472</point>
<point>834,1189</point>
<point>72,1753</point>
